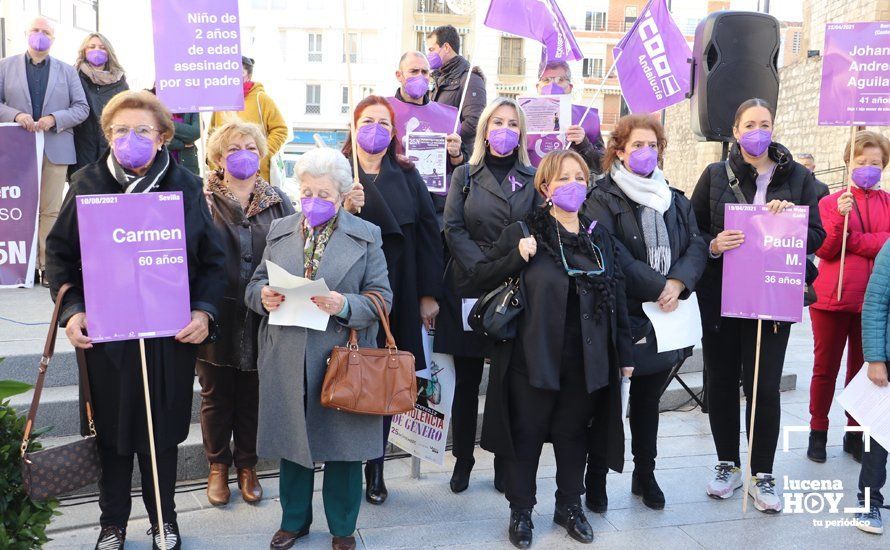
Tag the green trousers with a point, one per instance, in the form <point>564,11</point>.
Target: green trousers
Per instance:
<point>342,496</point>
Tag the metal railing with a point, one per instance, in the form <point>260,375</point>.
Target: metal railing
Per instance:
<point>511,66</point>
<point>433,6</point>
<point>834,178</point>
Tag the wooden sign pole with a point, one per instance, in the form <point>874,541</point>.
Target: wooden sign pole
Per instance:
<point>151,445</point>
<point>747,471</point>
<point>840,277</point>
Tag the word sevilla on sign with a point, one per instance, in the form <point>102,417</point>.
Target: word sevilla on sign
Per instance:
<point>20,161</point>
<point>197,55</point>
<point>135,269</point>
<point>856,75</point>
<point>765,278</point>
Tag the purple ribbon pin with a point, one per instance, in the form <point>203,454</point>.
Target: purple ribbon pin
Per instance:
<point>515,184</point>
<point>590,227</point>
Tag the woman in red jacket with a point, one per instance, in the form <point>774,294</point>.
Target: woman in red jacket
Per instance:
<point>835,322</point>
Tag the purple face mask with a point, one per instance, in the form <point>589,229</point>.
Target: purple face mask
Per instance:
<point>373,138</point>
<point>39,42</point>
<point>97,57</point>
<point>643,161</point>
<point>503,140</point>
<point>133,151</point>
<point>416,86</point>
<point>570,196</point>
<point>553,89</point>
<point>317,211</point>
<point>756,142</point>
<point>434,60</point>
<point>866,177</point>
<point>242,164</point>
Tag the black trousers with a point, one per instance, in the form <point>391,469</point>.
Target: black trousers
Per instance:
<point>643,412</point>
<point>562,415</point>
<point>728,356</point>
<point>230,400</point>
<point>465,407</point>
<point>114,486</point>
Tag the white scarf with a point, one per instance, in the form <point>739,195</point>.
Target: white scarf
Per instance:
<point>652,191</point>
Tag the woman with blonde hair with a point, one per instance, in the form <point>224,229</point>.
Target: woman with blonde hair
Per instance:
<point>102,77</point>
<point>495,189</point>
<point>243,206</point>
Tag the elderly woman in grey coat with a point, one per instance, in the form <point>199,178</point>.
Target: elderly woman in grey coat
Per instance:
<point>324,241</point>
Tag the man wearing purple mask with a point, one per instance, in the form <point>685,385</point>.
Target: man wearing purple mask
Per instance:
<point>450,73</point>
<point>586,140</point>
<point>25,82</point>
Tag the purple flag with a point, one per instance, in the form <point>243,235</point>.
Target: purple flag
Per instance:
<point>20,160</point>
<point>591,122</point>
<point>766,276</point>
<point>855,76</point>
<point>135,268</point>
<point>197,55</point>
<point>539,20</point>
<point>651,61</point>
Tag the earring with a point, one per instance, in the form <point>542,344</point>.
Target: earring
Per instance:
<point>486,142</point>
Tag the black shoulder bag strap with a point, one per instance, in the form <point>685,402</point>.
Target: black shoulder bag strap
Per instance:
<point>734,183</point>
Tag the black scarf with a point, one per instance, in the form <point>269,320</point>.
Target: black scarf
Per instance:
<point>132,183</point>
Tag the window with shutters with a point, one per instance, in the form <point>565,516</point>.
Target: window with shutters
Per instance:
<point>511,60</point>
<point>313,99</point>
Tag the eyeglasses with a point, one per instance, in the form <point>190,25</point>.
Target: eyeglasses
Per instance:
<point>597,255</point>
<point>560,80</point>
<point>121,130</point>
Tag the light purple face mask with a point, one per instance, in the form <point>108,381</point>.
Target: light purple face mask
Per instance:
<point>39,42</point>
<point>417,86</point>
<point>373,138</point>
<point>643,161</point>
<point>569,197</point>
<point>866,177</point>
<point>503,140</point>
<point>133,151</point>
<point>553,89</point>
<point>434,59</point>
<point>317,211</point>
<point>97,57</point>
<point>243,164</point>
<point>756,142</point>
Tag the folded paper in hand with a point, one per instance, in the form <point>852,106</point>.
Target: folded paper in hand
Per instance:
<point>297,310</point>
<point>869,405</point>
<point>678,329</point>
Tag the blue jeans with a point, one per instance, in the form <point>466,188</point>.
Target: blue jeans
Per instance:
<point>873,473</point>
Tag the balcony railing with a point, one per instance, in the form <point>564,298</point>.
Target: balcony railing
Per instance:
<point>618,25</point>
<point>433,6</point>
<point>511,66</point>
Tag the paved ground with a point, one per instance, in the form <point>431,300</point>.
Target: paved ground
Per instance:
<point>425,514</point>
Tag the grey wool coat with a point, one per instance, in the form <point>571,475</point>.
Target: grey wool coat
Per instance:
<point>292,360</point>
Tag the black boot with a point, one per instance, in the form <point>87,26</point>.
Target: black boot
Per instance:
<point>816,448</point>
<point>575,522</point>
<point>460,478</point>
<point>853,445</point>
<point>597,500</point>
<point>500,483</point>
<point>375,488</point>
<point>644,485</point>
<point>521,528</point>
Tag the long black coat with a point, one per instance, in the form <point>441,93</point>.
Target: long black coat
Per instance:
<point>477,211</point>
<point>399,203</point>
<point>791,182</point>
<point>618,214</point>
<point>244,240</point>
<point>89,140</point>
<point>449,82</point>
<point>541,329</point>
<point>114,367</point>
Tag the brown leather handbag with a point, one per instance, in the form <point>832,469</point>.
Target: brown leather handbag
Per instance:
<point>370,380</point>
<point>58,470</point>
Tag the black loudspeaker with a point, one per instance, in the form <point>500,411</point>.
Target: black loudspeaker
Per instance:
<point>734,59</point>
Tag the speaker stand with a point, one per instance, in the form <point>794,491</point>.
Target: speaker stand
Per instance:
<point>675,375</point>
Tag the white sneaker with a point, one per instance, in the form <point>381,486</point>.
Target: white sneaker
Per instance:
<point>727,479</point>
<point>763,490</point>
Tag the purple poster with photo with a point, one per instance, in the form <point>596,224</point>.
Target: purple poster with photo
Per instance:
<point>856,75</point>
<point>20,159</point>
<point>765,278</point>
<point>135,269</point>
<point>432,117</point>
<point>541,144</point>
<point>198,55</point>
<point>591,122</point>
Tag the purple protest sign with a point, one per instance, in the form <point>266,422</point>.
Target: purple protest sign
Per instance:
<point>538,145</point>
<point>20,160</point>
<point>432,117</point>
<point>651,61</point>
<point>135,269</point>
<point>539,20</point>
<point>856,75</point>
<point>766,276</point>
<point>591,122</point>
<point>197,55</point>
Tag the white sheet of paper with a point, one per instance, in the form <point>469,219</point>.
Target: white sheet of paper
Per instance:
<point>466,306</point>
<point>678,329</point>
<point>297,310</point>
<point>625,396</point>
<point>869,404</point>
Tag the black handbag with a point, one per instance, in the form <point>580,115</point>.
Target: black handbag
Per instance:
<point>65,468</point>
<point>495,315</point>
